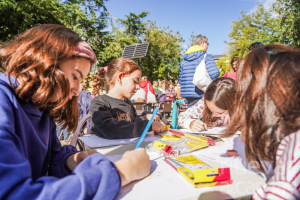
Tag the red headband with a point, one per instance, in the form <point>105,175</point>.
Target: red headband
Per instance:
<point>83,49</point>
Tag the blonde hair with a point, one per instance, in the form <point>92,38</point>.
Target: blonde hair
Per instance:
<point>144,78</point>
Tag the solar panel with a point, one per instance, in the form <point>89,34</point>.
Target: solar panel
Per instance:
<point>135,51</point>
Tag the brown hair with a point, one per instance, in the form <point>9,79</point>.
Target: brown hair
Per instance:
<point>124,65</point>
<point>267,101</point>
<point>237,60</point>
<point>221,92</point>
<point>33,59</point>
<point>98,80</point>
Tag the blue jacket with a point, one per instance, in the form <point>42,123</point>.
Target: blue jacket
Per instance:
<point>32,161</point>
<point>85,100</point>
<point>187,71</point>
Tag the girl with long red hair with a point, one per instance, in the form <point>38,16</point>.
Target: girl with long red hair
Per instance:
<point>43,69</point>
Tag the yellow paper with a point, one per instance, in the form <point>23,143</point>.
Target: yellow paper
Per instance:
<point>159,145</point>
<point>196,144</point>
<point>170,137</point>
<point>189,160</point>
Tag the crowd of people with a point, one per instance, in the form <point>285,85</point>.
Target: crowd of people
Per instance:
<point>41,85</point>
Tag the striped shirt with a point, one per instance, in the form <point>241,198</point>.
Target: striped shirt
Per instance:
<point>285,183</point>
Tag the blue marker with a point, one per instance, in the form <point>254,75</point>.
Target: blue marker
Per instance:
<point>146,128</point>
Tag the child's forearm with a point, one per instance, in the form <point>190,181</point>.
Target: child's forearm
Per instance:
<point>75,159</point>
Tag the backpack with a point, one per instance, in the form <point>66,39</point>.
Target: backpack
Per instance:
<point>201,77</point>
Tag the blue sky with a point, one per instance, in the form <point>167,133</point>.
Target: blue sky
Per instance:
<point>211,18</point>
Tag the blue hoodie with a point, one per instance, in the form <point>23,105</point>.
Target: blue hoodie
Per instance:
<point>191,60</point>
<point>32,161</point>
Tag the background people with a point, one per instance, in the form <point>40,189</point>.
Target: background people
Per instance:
<point>155,85</point>
<point>234,64</point>
<point>171,92</point>
<point>85,100</point>
<point>191,60</point>
<point>139,96</point>
<point>145,84</point>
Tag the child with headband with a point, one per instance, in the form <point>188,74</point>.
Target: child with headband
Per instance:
<point>43,69</point>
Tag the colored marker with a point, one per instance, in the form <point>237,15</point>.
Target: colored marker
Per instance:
<point>147,128</point>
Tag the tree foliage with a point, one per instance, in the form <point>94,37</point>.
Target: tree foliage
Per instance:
<point>259,26</point>
<point>89,18</point>
<point>164,53</point>
<point>288,21</point>
<point>134,25</point>
<point>18,16</point>
<point>117,39</point>
<point>224,65</point>
<point>279,24</point>
<point>86,17</point>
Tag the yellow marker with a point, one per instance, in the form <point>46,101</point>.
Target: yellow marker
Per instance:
<point>167,127</point>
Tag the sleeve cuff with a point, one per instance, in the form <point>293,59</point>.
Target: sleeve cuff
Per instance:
<point>187,123</point>
<point>57,167</point>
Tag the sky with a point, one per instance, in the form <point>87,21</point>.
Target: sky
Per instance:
<point>211,18</point>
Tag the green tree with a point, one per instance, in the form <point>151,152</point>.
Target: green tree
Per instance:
<point>116,40</point>
<point>224,65</point>
<point>164,53</point>
<point>113,47</point>
<point>134,25</point>
<point>288,21</point>
<point>256,27</point>
<point>17,16</point>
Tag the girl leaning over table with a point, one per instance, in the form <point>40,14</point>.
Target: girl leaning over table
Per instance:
<point>267,114</point>
<point>214,109</point>
<point>42,70</point>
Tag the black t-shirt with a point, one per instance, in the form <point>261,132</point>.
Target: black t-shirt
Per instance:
<point>115,118</point>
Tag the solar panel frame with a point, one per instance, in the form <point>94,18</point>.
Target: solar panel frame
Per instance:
<point>135,51</point>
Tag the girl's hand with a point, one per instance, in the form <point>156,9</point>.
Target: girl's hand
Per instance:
<point>158,127</point>
<point>156,117</point>
<point>198,125</point>
<point>134,165</point>
<point>76,158</point>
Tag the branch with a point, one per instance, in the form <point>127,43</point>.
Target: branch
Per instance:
<point>113,18</point>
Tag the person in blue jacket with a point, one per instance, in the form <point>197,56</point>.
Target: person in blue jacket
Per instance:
<point>39,85</point>
<point>85,100</point>
<point>191,60</point>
